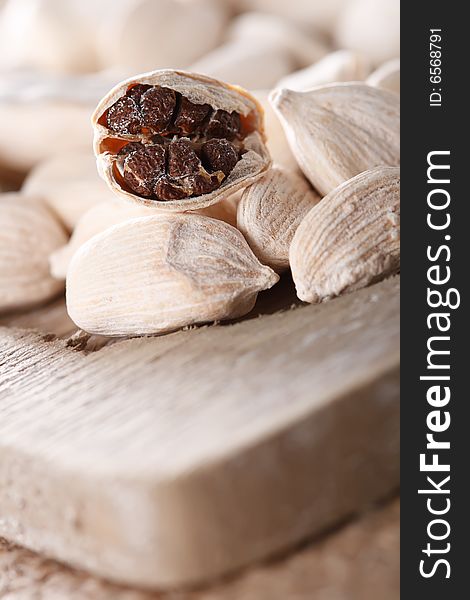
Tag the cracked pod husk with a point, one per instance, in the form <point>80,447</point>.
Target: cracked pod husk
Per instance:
<point>157,274</point>
<point>178,141</point>
<point>350,239</point>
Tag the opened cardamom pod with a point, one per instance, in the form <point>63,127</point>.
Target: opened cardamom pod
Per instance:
<point>156,274</point>
<point>179,141</point>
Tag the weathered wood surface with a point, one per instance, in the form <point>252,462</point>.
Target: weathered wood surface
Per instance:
<point>167,461</point>
<point>360,561</point>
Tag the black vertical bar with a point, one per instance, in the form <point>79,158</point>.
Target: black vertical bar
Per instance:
<point>427,128</point>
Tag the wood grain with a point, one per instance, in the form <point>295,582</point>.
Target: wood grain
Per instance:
<point>169,461</point>
<point>360,561</point>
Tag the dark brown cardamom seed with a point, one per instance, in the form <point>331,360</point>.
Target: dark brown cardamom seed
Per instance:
<point>165,189</point>
<point>136,91</point>
<point>158,105</point>
<point>142,167</point>
<point>124,117</point>
<point>203,184</point>
<point>191,116</point>
<point>182,160</point>
<point>219,155</point>
<point>223,124</point>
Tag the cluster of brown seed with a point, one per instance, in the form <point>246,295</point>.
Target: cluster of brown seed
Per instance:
<point>183,149</point>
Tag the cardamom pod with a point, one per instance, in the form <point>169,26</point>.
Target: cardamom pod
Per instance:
<point>179,141</point>
<point>350,239</point>
<point>270,212</point>
<point>156,274</point>
<point>338,131</point>
<point>94,221</point>
<point>387,76</point>
<point>29,234</point>
<point>69,184</point>
<point>338,66</point>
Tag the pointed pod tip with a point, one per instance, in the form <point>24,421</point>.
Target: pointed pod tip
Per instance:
<point>271,277</point>
<point>279,96</point>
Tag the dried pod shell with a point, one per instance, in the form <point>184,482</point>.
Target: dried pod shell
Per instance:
<point>338,131</point>
<point>106,214</point>
<point>253,157</point>
<point>387,76</point>
<point>350,239</point>
<point>69,184</point>
<point>97,219</point>
<point>276,139</point>
<point>270,212</point>
<point>30,232</point>
<point>156,274</point>
<point>339,66</point>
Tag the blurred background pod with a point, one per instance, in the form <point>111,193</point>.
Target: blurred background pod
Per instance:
<point>30,232</point>
<point>69,184</point>
<point>372,27</point>
<point>342,65</point>
<point>44,114</point>
<point>45,34</point>
<point>144,35</point>
<point>313,15</point>
<point>303,48</point>
<point>387,76</point>
<point>259,64</point>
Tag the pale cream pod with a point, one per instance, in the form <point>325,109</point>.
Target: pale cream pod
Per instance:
<point>157,274</point>
<point>276,139</point>
<point>270,212</point>
<point>106,214</point>
<point>112,140</point>
<point>70,185</point>
<point>45,35</point>
<point>29,234</point>
<point>371,27</point>
<point>337,131</point>
<point>350,239</point>
<point>339,66</point>
<point>387,76</point>
<point>255,27</point>
<point>143,35</point>
<point>258,64</point>
<point>311,14</point>
<point>94,221</point>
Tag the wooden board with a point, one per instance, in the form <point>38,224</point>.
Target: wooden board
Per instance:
<point>169,461</point>
<point>360,561</point>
